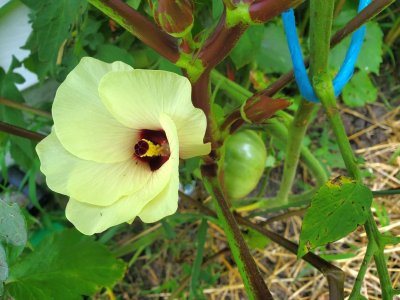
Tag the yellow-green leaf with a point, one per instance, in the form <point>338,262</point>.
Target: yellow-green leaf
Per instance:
<point>336,210</point>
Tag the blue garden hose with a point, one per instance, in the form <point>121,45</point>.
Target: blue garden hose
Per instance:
<point>300,72</point>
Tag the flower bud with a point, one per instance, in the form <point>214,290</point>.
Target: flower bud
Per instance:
<point>175,16</point>
<point>258,108</point>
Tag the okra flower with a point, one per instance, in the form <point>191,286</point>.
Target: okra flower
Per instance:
<point>115,145</point>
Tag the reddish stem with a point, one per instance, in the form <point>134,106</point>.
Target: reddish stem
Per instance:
<point>220,43</point>
<point>263,10</point>
<point>140,26</point>
<point>21,132</point>
<point>201,99</point>
<point>224,38</point>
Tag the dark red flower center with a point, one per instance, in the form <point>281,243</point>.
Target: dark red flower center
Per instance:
<point>152,148</point>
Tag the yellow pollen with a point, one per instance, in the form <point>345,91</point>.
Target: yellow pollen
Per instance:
<point>155,150</point>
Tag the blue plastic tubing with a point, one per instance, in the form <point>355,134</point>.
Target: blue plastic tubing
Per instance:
<point>300,72</point>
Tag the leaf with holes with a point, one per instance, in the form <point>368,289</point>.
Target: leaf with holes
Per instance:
<point>336,210</point>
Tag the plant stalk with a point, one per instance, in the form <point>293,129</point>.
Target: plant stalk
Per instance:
<point>297,131</point>
<point>26,108</point>
<point>356,291</point>
<point>374,236</point>
<point>140,27</point>
<point>201,99</point>
<point>320,28</point>
<point>21,132</point>
<point>252,279</point>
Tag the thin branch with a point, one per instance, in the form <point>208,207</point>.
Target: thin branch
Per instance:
<point>23,107</point>
<point>220,43</point>
<point>252,279</point>
<point>139,26</point>
<point>200,97</point>
<point>21,132</point>
<point>386,192</point>
<point>373,9</point>
<point>355,293</point>
<point>264,10</point>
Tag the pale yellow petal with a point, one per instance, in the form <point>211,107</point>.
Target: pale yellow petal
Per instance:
<point>138,97</point>
<point>104,184</point>
<point>191,132</point>
<point>91,182</point>
<point>164,204</point>
<point>90,219</point>
<point>82,123</point>
<point>55,163</point>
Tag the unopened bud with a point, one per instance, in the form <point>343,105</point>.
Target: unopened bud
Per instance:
<point>175,16</point>
<point>258,108</point>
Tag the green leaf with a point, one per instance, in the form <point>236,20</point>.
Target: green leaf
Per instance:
<point>255,240</point>
<point>328,151</point>
<point>248,46</point>
<point>21,149</point>
<point>12,224</point>
<point>217,9</point>
<point>371,53</point>
<point>111,53</point>
<point>64,266</point>
<point>360,90</point>
<point>370,56</point>
<point>274,56</point>
<point>169,231</point>
<point>52,22</point>
<point>133,3</point>
<point>90,34</point>
<point>336,210</point>
<point>166,65</point>
<point>3,266</point>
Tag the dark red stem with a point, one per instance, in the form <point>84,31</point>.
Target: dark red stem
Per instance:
<point>21,132</point>
<point>201,99</point>
<point>257,283</point>
<point>140,26</point>
<point>220,43</point>
<point>263,10</point>
<point>224,38</point>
